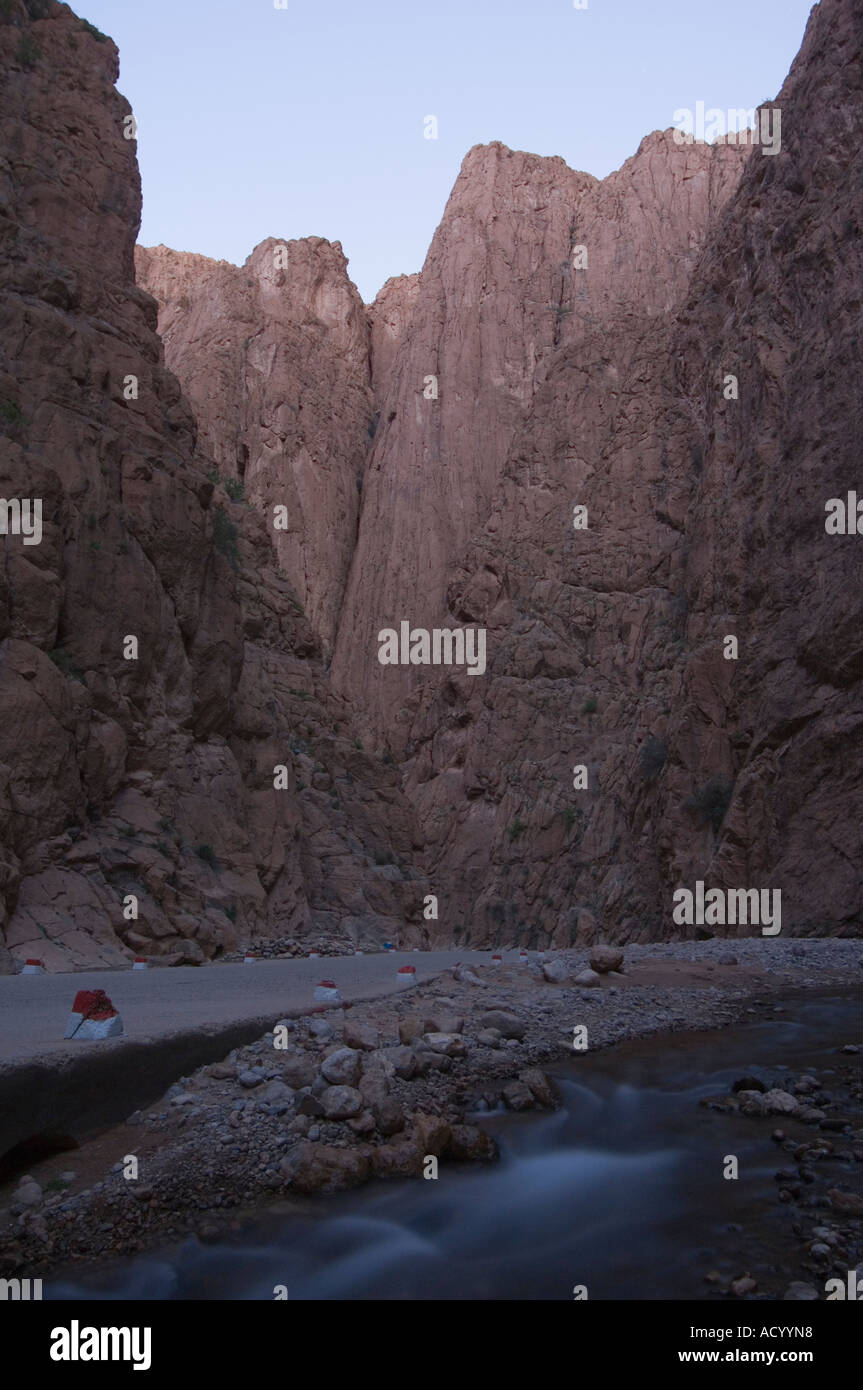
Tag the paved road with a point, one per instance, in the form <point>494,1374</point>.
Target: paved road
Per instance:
<point>155,1004</point>
<point>174,1020</point>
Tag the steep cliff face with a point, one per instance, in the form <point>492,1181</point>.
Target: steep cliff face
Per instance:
<point>460,382</point>
<point>581,626</point>
<point>274,358</point>
<point>776,301</point>
<point>530,257</point>
<point>148,685</point>
<point>389,318</point>
<point>568,345</point>
<point>528,365</point>
<point>706,519</point>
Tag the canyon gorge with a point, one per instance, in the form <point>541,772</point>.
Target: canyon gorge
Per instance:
<point>252,473</point>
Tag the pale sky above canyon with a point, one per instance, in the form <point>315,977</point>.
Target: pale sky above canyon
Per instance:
<point>258,122</point>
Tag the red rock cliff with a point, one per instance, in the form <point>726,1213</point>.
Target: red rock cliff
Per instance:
<point>154,666</point>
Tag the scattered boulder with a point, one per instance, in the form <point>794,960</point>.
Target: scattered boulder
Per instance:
<point>469,1143</point>
<point>740,1287</point>
<point>425,1061</point>
<point>779,1103</point>
<point>507,1024</point>
<point>378,1064</point>
<point>431,1133</point>
<point>747,1083</point>
<point>605,958</point>
<point>751,1102</point>
<point>298,1070</point>
<point>467,977</point>
<point>314,1167</point>
<point>450,1044</point>
<point>588,979</point>
<point>373,1086</point>
<point>342,1067</point>
<point>360,1036</point>
<point>341,1102</point>
<point>400,1160</point>
<point>277,1093</point>
<point>251,1078</point>
<point>555,972</point>
<point>388,1116</point>
<point>28,1194</point>
<point>320,1029</point>
<point>518,1096</point>
<point>410,1028</point>
<point>222,1071</point>
<point>403,1060</point>
<point>443,1023</point>
<point>800,1293</point>
<point>804,1085</point>
<point>851,1203</point>
<point>540,1086</point>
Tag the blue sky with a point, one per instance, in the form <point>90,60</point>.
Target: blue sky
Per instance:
<point>255,121</point>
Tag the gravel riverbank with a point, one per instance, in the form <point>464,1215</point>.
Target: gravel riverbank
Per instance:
<point>330,1099</point>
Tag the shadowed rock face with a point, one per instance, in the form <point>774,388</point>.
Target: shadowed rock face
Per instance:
<point>776,300</point>
<point>499,299</point>
<point>429,451</point>
<point>706,519</point>
<point>151,776</point>
<point>275,358</point>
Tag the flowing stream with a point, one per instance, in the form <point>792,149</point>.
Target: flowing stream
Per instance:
<point>621,1190</point>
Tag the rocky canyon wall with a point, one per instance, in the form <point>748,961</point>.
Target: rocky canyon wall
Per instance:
<point>156,665</point>
<point>706,503</point>
<point>776,301</point>
<point>325,470</point>
<point>275,357</point>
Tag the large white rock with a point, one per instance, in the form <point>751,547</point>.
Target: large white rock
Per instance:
<point>342,1067</point>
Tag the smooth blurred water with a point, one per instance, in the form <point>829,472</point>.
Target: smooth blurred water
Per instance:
<point>621,1190</point>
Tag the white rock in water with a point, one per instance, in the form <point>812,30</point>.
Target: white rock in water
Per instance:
<point>779,1103</point>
